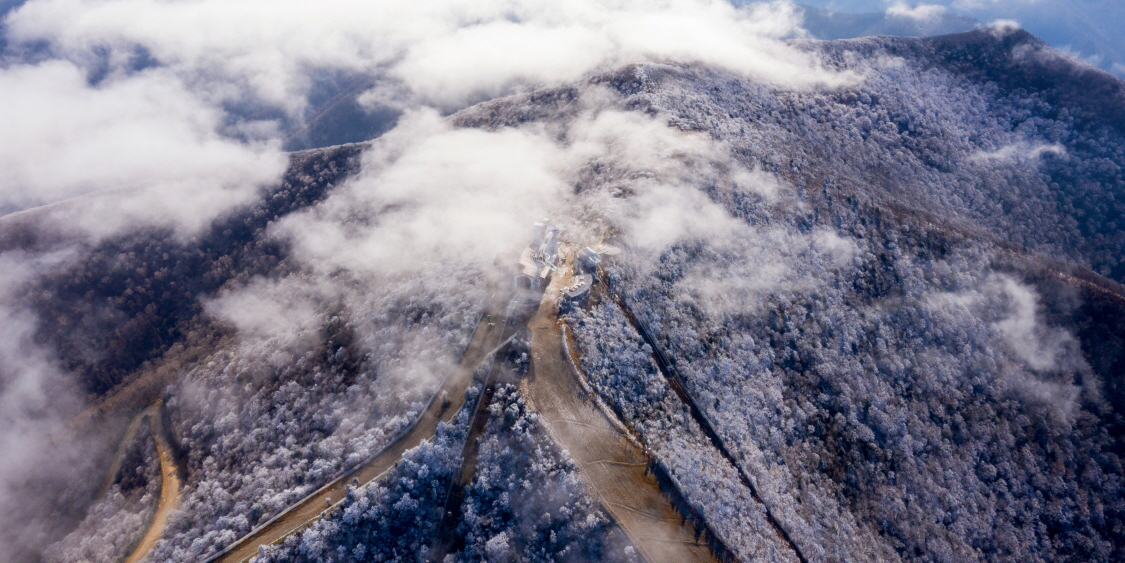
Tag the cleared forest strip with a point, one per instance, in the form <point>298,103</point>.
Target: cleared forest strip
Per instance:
<point>629,492</point>
<point>313,506</point>
<point>445,540</point>
<point>668,370</point>
<point>653,464</point>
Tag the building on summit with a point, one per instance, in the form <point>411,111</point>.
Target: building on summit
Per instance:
<point>540,258</point>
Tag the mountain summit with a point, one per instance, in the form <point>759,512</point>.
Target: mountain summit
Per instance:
<point>874,313</point>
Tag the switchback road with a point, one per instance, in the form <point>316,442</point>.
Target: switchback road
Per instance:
<point>484,337</point>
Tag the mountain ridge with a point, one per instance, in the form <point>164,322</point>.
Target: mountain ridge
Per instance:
<point>908,336</point>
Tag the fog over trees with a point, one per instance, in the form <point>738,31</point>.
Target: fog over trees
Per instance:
<point>267,423</point>
<point>921,387</point>
<point>116,522</point>
<point>526,502</point>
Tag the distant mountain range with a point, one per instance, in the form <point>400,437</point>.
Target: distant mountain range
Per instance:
<point>1089,29</point>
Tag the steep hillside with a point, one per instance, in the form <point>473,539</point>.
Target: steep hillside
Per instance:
<point>882,318</point>
<point>931,381</point>
<point>127,298</point>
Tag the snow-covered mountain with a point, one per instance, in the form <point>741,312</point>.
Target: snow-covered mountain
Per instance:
<point>1088,29</point>
<point>874,318</point>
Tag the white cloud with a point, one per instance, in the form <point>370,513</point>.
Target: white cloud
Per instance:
<point>1033,343</point>
<point>26,369</point>
<point>740,274</point>
<point>445,52</point>
<point>1044,357</point>
<point>432,199</point>
<point>1018,152</point>
<point>655,204</point>
<point>1043,348</point>
<point>145,136</point>
<point>280,310</point>
<point>431,196</point>
<point>36,398</point>
<point>922,13</point>
<point>1005,25</point>
<point>428,195</point>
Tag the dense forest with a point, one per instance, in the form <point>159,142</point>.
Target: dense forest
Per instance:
<point>526,502</point>
<point>883,344</point>
<point>893,306</point>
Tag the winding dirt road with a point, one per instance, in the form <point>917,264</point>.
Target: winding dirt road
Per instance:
<point>614,466</point>
<point>130,435</point>
<point>170,481</point>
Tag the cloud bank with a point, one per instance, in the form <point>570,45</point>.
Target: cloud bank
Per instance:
<point>444,52</point>
<point>147,134</point>
<point>184,99</point>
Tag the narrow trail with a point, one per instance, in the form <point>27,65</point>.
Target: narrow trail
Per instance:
<point>677,384</point>
<point>612,463</point>
<point>330,496</point>
<point>445,540</point>
<point>169,490</point>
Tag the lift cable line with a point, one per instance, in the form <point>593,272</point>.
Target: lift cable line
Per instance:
<point>677,384</point>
